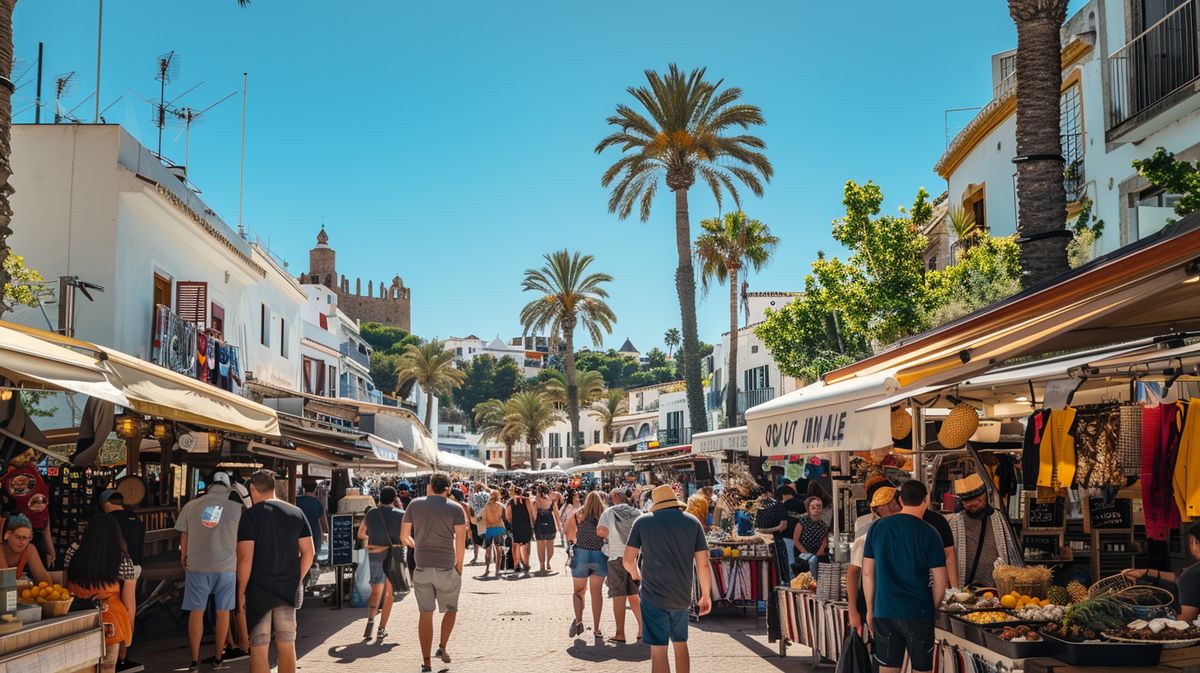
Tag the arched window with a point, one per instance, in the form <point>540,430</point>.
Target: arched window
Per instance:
<point>644,431</point>
<point>629,435</point>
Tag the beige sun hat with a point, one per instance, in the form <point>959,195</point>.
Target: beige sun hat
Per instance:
<point>901,423</point>
<point>958,427</point>
<point>663,497</point>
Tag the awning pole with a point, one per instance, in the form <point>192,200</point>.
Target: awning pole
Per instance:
<point>918,438</point>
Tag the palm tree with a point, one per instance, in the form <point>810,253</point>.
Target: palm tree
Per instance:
<point>589,383</point>
<point>532,413</point>
<point>966,231</point>
<point>1042,202</point>
<point>693,128</point>
<point>570,297</point>
<point>432,367</point>
<point>671,340</point>
<point>7,8</point>
<point>491,419</point>
<point>612,404</point>
<point>727,245</point>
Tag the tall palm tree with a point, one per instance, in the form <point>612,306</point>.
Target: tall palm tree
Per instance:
<point>491,417</point>
<point>671,340</point>
<point>7,8</point>
<point>589,383</point>
<point>570,297</point>
<point>533,414</point>
<point>612,404</point>
<point>432,367</point>
<point>694,127</point>
<point>728,245</point>
<point>1042,202</point>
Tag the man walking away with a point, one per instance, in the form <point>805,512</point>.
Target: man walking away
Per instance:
<point>670,542</point>
<point>899,554</point>
<point>440,545</point>
<point>380,529</point>
<point>208,534</point>
<point>615,524</point>
<point>274,553</point>
<point>314,512</point>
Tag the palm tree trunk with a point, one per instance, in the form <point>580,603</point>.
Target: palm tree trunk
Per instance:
<point>572,392</point>
<point>429,412</point>
<point>508,456</point>
<point>6,66</point>
<point>1042,199</point>
<point>731,387</point>
<point>685,286</point>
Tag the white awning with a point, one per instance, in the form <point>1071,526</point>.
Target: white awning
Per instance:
<point>821,418</point>
<point>717,442</point>
<point>456,463</point>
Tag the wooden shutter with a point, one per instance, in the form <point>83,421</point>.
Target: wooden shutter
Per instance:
<point>191,302</point>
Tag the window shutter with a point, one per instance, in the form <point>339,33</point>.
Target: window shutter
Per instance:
<point>191,302</point>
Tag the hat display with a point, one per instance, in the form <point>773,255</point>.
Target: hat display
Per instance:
<point>970,486</point>
<point>883,495</point>
<point>901,423</point>
<point>663,497</point>
<point>874,483</point>
<point>958,427</point>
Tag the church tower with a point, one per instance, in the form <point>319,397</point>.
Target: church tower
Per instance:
<point>322,263</point>
<point>385,303</point>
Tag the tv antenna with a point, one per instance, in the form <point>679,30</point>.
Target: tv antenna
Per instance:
<point>187,116</point>
<point>64,84</point>
<point>167,71</point>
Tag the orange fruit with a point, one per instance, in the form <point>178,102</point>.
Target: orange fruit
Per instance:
<point>1008,602</point>
<point>988,594</point>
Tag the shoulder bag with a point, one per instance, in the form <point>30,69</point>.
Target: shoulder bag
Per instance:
<point>395,566</point>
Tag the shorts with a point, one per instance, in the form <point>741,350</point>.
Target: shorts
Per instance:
<point>199,586</point>
<point>587,562</point>
<point>619,582</point>
<point>544,526</point>
<point>375,565</point>
<point>476,536</point>
<point>663,627</point>
<point>894,636</point>
<point>493,535</point>
<point>437,588</point>
<point>280,621</point>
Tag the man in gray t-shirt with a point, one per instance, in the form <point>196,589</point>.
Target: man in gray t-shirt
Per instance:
<point>435,528</point>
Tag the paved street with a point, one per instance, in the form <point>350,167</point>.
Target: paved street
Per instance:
<point>505,625</point>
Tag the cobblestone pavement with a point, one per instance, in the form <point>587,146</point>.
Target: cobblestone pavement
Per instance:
<point>517,625</point>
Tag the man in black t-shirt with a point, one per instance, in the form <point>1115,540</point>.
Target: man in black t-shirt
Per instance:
<point>794,508</point>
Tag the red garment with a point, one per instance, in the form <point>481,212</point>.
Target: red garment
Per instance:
<point>1161,428</point>
<point>24,487</point>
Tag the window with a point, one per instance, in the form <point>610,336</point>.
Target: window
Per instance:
<point>1008,65</point>
<point>331,382</point>
<point>162,291</point>
<point>755,379</point>
<point>932,264</point>
<point>555,440</point>
<point>1070,107</point>
<point>754,348</point>
<point>283,340</point>
<point>264,325</point>
<point>191,302</point>
<point>596,437</point>
<point>216,318</point>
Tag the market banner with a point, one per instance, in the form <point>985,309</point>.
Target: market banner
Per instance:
<point>822,418</point>
<point>717,442</point>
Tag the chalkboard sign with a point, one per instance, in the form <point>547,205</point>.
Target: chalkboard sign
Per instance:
<point>341,539</point>
<point>1044,515</point>
<point>1041,547</point>
<point>1114,516</point>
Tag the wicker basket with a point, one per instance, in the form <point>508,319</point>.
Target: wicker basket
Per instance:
<point>1007,585</point>
<point>1111,583</point>
<point>901,423</point>
<point>958,427</point>
<point>56,608</point>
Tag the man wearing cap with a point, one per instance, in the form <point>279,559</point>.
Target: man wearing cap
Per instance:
<point>881,497</point>
<point>404,493</point>
<point>980,533</point>
<point>208,528</point>
<point>670,541</point>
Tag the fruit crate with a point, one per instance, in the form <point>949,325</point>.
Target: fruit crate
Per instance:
<point>993,641</point>
<point>1101,653</point>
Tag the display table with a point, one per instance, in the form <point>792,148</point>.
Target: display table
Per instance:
<point>69,644</point>
<point>741,581</point>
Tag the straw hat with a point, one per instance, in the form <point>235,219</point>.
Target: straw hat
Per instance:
<point>970,486</point>
<point>901,423</point>
<point>958,427</point>
<point>663,497</point>
<point>883,495</point>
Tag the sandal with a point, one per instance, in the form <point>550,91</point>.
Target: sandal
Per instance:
<point>615,639</point>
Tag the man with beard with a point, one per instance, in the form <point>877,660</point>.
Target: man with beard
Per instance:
<point>980,534</point>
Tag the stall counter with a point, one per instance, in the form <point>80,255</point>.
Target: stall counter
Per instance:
<point>72,643</point>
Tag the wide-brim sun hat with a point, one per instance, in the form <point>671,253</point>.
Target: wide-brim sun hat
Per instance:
<point>958,427</point>
<point>901,423</point>
<point>970,486</point>
<point>664,497</point>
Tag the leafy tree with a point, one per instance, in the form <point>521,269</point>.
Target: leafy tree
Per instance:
<point>383,371</point>
<point>24,285</point>
<point>491,419</point>
<point>612,404</point>
<point>432,367</point>
<point>590,385</point>
<point>1163,170</point>
<point>694,128</point>
<point>727,245</point>
<point>655,359</point>
<point>487,378</point>
<point>649,377</point>
<point>614,367</point>
<point>507,378</point>
<point>569,297</point>
<point>985,273</point>
<point>386,338</point>
<point>532,413</point>
<point>671,340</point>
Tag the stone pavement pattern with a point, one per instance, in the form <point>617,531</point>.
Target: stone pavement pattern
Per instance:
<point>504,625</point>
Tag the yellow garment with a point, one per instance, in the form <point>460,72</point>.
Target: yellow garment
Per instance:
<point>1186,479</point>
<point>1056,457</point>
<point>697,506</point>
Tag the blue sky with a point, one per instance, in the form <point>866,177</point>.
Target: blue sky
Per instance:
<point>451,143</point>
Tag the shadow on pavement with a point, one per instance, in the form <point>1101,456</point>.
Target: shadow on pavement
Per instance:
<point>348,654</point>
<point>587,649</point>
<point>768,654</point>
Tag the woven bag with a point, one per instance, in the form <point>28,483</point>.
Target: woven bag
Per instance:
<point>901,423</point>
<point>1129,440</point>
<point>958,427</point>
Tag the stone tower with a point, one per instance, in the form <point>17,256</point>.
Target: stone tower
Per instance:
<point>389,304</point>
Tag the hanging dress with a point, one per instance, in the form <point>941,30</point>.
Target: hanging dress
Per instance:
<point>1056,454</point>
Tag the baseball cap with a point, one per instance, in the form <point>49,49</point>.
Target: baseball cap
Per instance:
<point>107,495</point>
<point>404,486</point>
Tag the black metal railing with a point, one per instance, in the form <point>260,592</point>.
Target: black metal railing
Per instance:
<point>674,436</point>
<point>1155,64</point>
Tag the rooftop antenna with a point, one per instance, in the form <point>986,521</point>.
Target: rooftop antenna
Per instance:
<point>37,111</point>
<point>63,85</point>
<point>188,116</point>
<point>167,71</point>
<point>242,165</point>
<point>69,115</point>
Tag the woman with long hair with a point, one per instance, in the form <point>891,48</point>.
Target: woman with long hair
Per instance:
<point>589,566</point>
<point>519,512</point>
<point>18,533</point>
<point>574,500</point>
<point>545,526</point>
<point>816,490</point>
<point>99,568</point>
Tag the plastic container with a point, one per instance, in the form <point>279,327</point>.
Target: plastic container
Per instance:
<point>1020,650</point>
<point>1100,653</point>
<point>29,613</point>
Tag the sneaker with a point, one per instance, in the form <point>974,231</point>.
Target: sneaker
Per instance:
<point>370,627</point>
<point>219,665</point>
<point>234,654</point>
<point>443,655</point>
<point>194,666</point>
<point>381,634</point>
<point>129,666</point>
<point>426,668</point>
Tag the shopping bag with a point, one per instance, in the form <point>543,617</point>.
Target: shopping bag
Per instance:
<point>854,657</point>
<point>396,568</point>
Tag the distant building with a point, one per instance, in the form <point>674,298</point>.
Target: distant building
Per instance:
<point>390,305</point>
<point>629,350</point>
<point>531,353</point>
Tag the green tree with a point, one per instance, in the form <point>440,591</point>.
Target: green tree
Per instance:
<point>728,245</point>
<point>568,297</point>
<point>614,403</point>
<point>615,368</point>
<point>691,127</point>
<point>987,272</point>
<point>383,371</point>
<point>655,359</point>
<point>1042,197</point>
<point>479,375</point>
<point>22,285</point>
<point>1163,170</point>
<point>671,340</point>
<point>491,420</point>
<point>590,385</point>
<point>432,367</point>
<point>532,413</point>
<point>387,339</point>
<point>507,378</point>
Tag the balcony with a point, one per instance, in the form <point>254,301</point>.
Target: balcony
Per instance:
<point>675,436</point>
<point>351,351</point>
<point>1154,70</point>
<point>751,398</point>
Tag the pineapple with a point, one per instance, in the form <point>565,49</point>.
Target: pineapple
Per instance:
<point>1058,595</point>
<point>1077,591</point>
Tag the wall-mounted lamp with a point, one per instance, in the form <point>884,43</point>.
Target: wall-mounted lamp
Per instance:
<point>129,426</point>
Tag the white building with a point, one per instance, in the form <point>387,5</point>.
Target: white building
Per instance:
<point>1130,74</point>
<point>531,353</point>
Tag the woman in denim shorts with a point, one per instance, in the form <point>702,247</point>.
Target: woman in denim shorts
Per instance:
<point>589,565</point>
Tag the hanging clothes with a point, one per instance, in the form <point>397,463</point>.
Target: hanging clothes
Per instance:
<point>1129,442</point>
<point>1186,471</point>
<point>1161,426</point>
<point>201,356</point>
<point>1056,454</point>
<point>1096,430</point>
<point>1031,449</point>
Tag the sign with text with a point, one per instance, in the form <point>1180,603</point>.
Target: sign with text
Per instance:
<point>1111,516</point>
<point>719,441</point>
<point>1048,515</point>
<point>824,429</point>
<point>341,539</point>
<point>1042,547</point>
